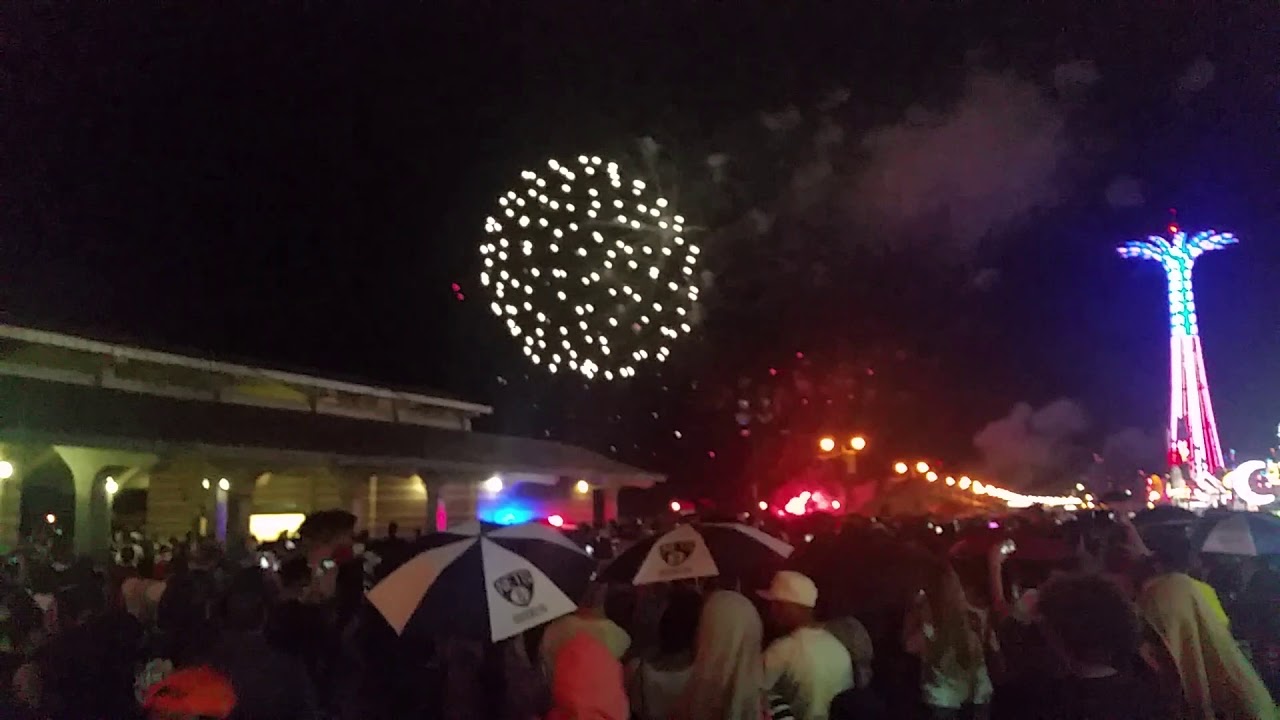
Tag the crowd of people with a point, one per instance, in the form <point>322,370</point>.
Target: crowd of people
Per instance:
<point>867,620</point>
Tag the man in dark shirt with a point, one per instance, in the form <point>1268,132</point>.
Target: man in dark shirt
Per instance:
<point>1089,623</point>
<point>269,684</point>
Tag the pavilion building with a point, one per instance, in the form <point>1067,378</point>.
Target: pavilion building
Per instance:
<point>96,434</point>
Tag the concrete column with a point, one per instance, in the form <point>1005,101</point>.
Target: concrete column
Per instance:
<point>89,469</point>
<point>11,499</point>
<point>461,501</point>
<point>240,507</point>
<point>605,504</point>
<point>353,495</point>
<point>433,486</point>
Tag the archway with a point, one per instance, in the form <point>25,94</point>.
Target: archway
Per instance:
<point>47,510</point>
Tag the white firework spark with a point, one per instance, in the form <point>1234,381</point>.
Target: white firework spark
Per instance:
<point>591,271</point>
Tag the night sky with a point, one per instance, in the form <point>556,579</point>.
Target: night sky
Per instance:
<point>298,184</point>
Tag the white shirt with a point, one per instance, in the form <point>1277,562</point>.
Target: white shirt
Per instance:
<point>808,668</point>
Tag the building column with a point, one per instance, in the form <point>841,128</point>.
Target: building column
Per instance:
<point>460,498</point>
<point>433,486</point>
<point>353,496</point>
<point>604,506</point>
<point>11,496</point>
<point>89,468</point>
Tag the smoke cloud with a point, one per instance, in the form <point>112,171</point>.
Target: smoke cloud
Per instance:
<point>1029,447</point>
<point>1130,450</point>
<point>975,169</point>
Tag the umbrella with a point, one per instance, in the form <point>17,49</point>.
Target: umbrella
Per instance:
<point>697,551</point>
<point>1244,534</point>
<point>484,580</point>
<point>1165,515</point>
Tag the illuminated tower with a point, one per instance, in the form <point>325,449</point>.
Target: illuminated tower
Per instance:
<point>1193,431</point>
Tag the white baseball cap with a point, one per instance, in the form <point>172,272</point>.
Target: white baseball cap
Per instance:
<point>791,587</point>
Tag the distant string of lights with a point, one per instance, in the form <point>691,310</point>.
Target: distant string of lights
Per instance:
<point>592,272</point>
<point>979,488</point>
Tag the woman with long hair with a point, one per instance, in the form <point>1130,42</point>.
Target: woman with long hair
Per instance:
<point>726,681</point>
<point>951,638</point>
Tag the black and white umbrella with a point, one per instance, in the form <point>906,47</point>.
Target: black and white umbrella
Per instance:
<point>485,581</point>
<point>698,551</point>
<point>1250,534</point>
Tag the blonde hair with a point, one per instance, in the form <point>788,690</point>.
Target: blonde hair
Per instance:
<point>949,613</point>
<point>727,677</point>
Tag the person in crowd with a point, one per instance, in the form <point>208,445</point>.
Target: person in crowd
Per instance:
<point>297,626</point>
<point>588,682</point>
<point>589,618</point>
<point>268,684</point>
<point>859,702</point>
<point>656,683</point>
<point>951,639</point>
<point>854,636</point>
<point>726,680</point>
<point>328,535</point>
<point>185,611</point>
<point>1257,623</point>
<point>86,668</point>
<point>1096,631</point>
<point>806,665</point>
<point>1217,680</point>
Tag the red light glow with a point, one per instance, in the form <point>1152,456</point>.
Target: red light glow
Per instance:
<point>675,506</point>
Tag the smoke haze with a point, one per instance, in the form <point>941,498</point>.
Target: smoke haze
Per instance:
<point>979,167</point>
<point>1029,446</point>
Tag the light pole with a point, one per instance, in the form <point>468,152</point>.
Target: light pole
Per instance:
<point>829,449</point>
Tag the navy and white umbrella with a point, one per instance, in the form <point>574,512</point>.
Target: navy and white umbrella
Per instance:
<point>698,551</point>
<point>1244,534</point>
<point>484,581</point>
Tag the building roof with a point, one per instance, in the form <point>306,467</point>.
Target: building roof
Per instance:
<point>120,351</point>
<point>34,410</point>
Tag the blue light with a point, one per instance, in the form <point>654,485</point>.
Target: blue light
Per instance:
<point>507,514</point>
<point>1178,256</point>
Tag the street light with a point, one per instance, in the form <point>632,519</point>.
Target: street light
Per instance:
<point>827,444</point>
<point>111,486</point>
<point>931,476</point>
<point>857,442</point>
<point>582,487</point>
<point>6,470</point>
<point>900,468</point>
<point>922,467</point>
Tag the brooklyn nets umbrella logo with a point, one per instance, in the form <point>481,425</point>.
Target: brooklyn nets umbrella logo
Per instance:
<point>516,587</point>
<point>676,553</point>
<point>484,581</point>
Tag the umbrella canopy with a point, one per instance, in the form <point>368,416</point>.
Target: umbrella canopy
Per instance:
<point>1244,534</point>
<point>863,570</point>
<point>485,581</point>
<point>698,551</point>
<point>1165,515</point>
